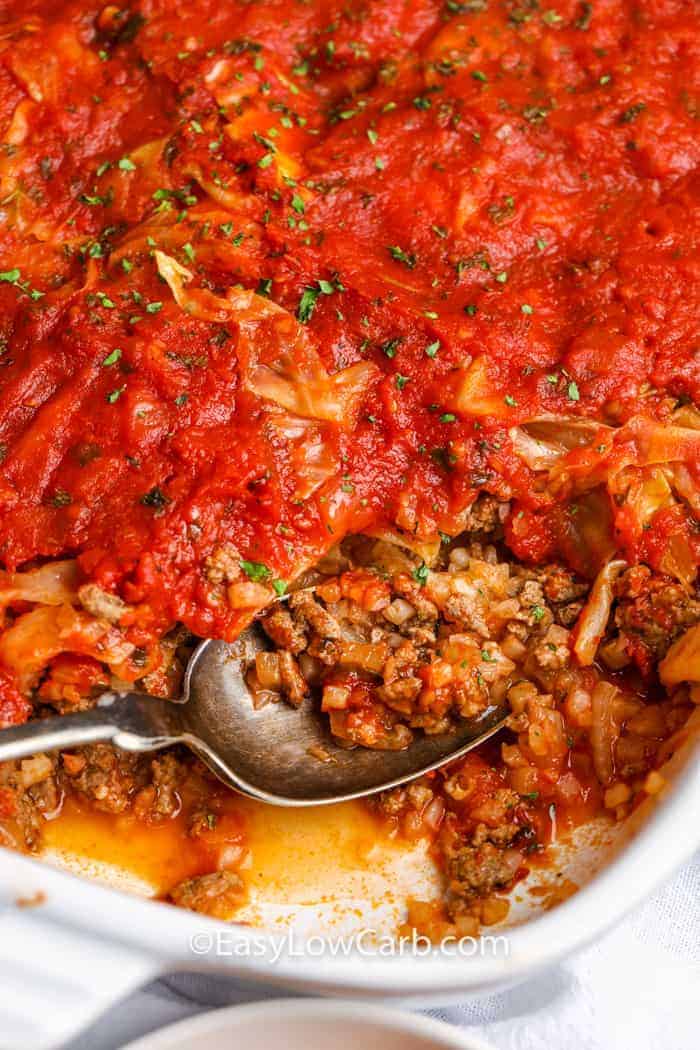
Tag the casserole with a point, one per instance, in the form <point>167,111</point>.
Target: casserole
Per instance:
<point>82,946</point>
<point>422,274</point>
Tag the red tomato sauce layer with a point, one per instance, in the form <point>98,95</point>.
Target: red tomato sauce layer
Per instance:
<point>492,205</point>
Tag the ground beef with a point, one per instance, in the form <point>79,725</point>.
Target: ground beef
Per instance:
<point>29,789</point>
<point>476,871</point>
<point>552,652</point>
<point>160,800</point>
<point>108,777</point>
<point>652,611</point>
<point>223,565</point>
<point>283,631</point>
<point>217,894</point>
<point>102,604</point>
<point>398,647</point>
<point>308,611</point>
<point>561,585</point>
<point>485,515</point>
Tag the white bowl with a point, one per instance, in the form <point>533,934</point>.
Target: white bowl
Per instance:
<point>293,1024</point>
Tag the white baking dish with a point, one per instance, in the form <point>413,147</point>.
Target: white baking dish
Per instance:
<point>82,945</point>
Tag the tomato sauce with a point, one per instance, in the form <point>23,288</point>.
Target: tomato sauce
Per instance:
<point>503,191</point>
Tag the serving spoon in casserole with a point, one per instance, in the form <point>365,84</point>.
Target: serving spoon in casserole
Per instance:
<point>278,754</point>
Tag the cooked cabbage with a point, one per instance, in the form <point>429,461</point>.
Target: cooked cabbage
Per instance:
<point>682,661</point>
<point>594,617</point>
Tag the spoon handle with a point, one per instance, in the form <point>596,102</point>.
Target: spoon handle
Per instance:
<point>132,721</point>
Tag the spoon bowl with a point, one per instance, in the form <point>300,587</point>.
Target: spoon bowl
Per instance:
<point>279,754</point>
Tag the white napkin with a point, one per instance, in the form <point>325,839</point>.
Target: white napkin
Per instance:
<point>637,987</point>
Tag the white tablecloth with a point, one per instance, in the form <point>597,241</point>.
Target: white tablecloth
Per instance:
<point>638,987</point>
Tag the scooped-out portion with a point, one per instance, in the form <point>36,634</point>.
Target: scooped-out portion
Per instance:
<point>391,643</point>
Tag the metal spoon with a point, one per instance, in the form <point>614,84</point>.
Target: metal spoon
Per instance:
<point>270,753</point>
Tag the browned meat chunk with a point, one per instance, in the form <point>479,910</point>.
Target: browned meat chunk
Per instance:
<point>283,631</point>
<point>28,790</point>
<point>102,604</point>
<point>218,894</point>
<point>484,515</point>
<point>653,610</point>
<point>108,778</point>
<point>160,800</point>
<point>294,685</point>
<point>476,871</point>
<point>561,585</point>
<point>304,605</point>
<point>223,565</point>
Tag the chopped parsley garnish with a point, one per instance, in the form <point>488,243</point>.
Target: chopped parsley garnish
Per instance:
<point>420,575</point>
<point>407,258</point>
<point>573,391</point>
<point>155,497</point>
<point>255,570</point>
<point>95,200</point>
<point>431,351</point>
<point>114,395</point>
<point>112,358</point>
<point>279,587</point>
<point>391,346</point>
<point>632,113</point>
<point>584,19</point>
<point>535,114</point>
<point>307,304</point>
